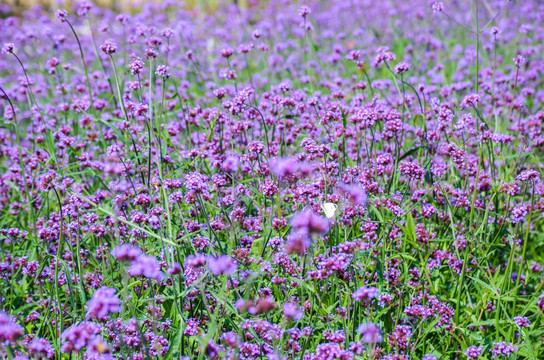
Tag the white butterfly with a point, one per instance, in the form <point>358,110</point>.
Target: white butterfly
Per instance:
<point>329,209</point>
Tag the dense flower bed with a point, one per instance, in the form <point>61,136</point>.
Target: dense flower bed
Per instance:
<point>327,180</point>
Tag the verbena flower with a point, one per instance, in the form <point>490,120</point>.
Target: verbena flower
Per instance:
<point>103,303</point>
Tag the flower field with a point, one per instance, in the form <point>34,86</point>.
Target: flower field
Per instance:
<point>311,180</point>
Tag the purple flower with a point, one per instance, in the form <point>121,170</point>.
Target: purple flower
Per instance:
<point>309,222</point>
<point>370,333</point>
<point>226,53</point>
<point>297,242</point>
<point>503,348</point>
<point>304,11</point>
<point>473,352</point>
<point>174,269</point>
<point>136,66</point>
<point>470,100</point>
<point>41,348</point>
<point>222,265</point>
<point>293,312</point>
<point>8,48</point>
<point>84,8</point>
<point>355,194</point>
<point>519,60</point>
<point>437,7</point>
<point>103,303</point>
<point>402,67</point>
<point>9,330</point>
<point>383,55</point>
<point>79,336</point>
<point>108,47</point>
<point>196,182</point>
<point>146,266</point>
<point>522,321</point>
<point>429,357</point>
<point>162,71</point>
<point>365,294</point>
<point>284,167</point>
<point>126,252</point>
<point>61,15</point>
<point>230,164</point>
<point>529,175</point>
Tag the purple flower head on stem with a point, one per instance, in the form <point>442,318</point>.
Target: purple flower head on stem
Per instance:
<point>8,48</point>
<point>146,266</point>
<point>473,352</point>
<point>76,337</point>
<point>230,164</point>
<point>40,348</point>
<point>136,66</point>
<point>284,167</point>
<point>9,330</point>
<point>308,222</point>
<point>126,252</point>
<point>61,15</point>
<point>84,8</point>
<point>437,7</point>
<point>293,312</point>
<point>370,333</point>
<point>108,47</point>
<point>522,321</point>
<point>354,194</point>
<point>222,265</point>
<point>529,176</point>
<point>103,303</point>
<point>519,61</point>
<point>162,71</point>
<point>365,294</point>
<point>402,67</point>
<point>304,11</point>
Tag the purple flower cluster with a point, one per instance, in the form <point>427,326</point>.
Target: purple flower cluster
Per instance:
<point>272,180</point>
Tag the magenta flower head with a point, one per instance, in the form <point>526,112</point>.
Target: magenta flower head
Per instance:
<point>61,15</point>
<point>519,60</point>
<point>40,348</point>
<point>230,164</point>
<point>529,176</point>
<point>146,266</point>
<point>284,167</point>
<point>383,55</point>
<point>522,321</point>
<point>222,265</point>
<point>503,348</point>
<point>309,222</point>
<point>126,252</point>
<point>293,312</point>
<point>402,67</point>
<point>470,100</point>
<point>108,47</point>
<point>297,243</point>
<point>370,333</point>
<point>437,7</point>
<point>473,352</point>
<point>304,11</point>
<point>8,48</point>
<point>136,66</point>
<point>226,53</point>
<point>162,71</point>
<point>84,8</point>
<point>9,330</point>
<point>103,303</point>
<point>365,294</point>
<point>355,194</point>
<point>429,357</point>
<point>79,336</point>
